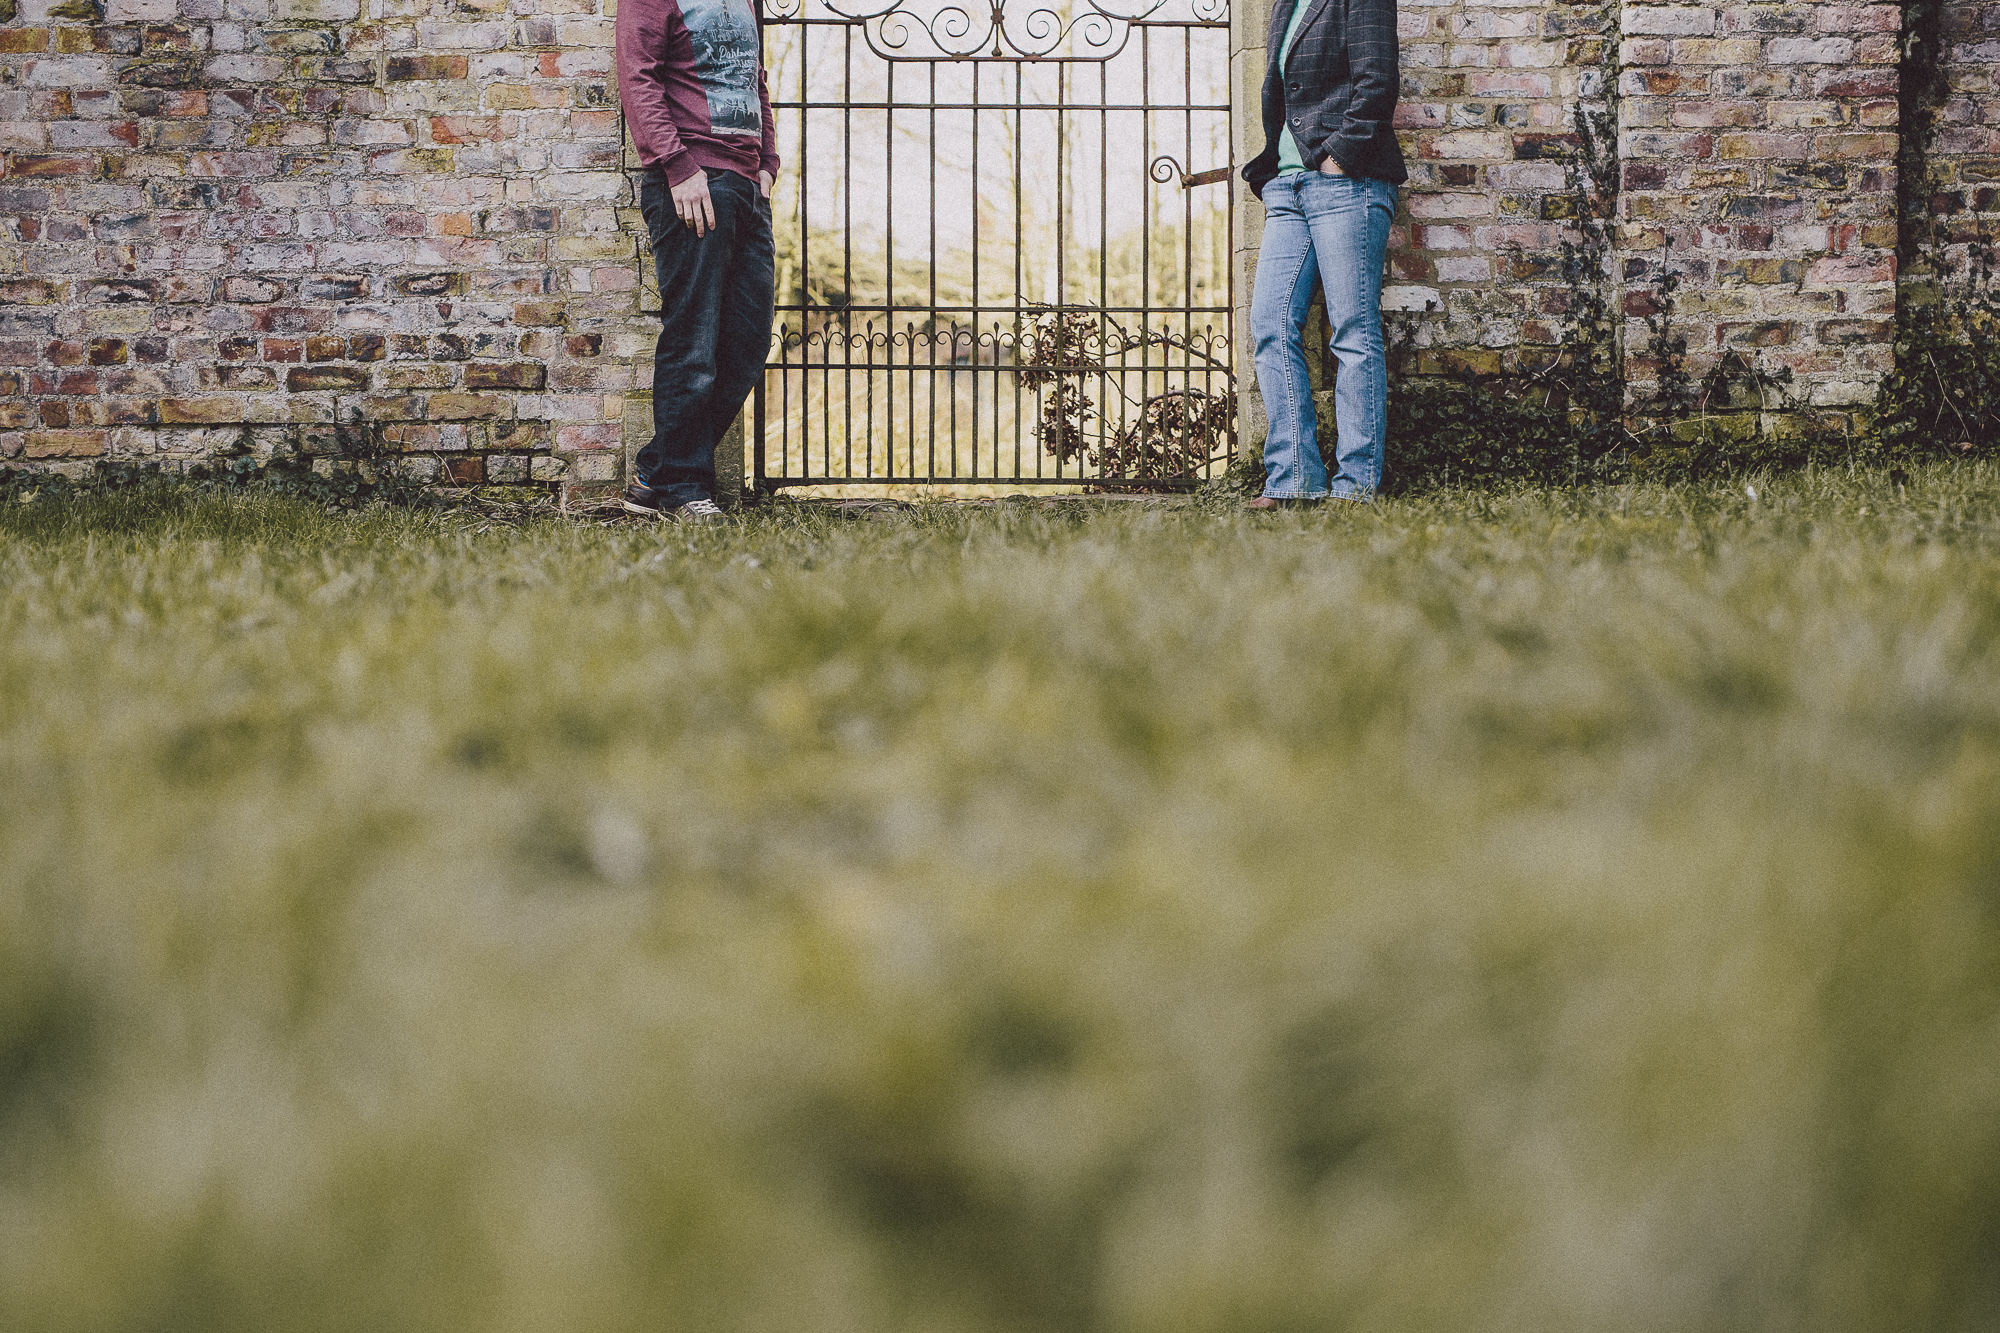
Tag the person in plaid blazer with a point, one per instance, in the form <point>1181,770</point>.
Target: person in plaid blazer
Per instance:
<point>1328,176</point>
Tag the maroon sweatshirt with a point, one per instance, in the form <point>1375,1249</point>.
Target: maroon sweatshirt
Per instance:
<point>691,76</point>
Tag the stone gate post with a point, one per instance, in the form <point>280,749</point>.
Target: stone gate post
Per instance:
<point>1248,22</point>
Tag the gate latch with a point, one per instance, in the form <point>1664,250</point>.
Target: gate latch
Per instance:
<point>1165,169</point>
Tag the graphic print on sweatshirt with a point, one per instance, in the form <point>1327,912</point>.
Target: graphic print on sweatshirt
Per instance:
<point>726,54</point>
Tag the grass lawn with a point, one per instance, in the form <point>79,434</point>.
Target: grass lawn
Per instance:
<point>1545,913</point>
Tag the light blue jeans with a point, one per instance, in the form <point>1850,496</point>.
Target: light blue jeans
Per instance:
<point>1343,222</point>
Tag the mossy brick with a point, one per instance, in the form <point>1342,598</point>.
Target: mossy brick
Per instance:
<point>315,11</point>
<point>115,412</point>
<point>296,41</point>
<point>525,97</point>
<point>469,407</point>
<point>64,443</point>
<point>1762,207</point>
<point>518,434</point>
<point>412,436</point>
<point>321,378</point>
<point>28,166</point>
<point>540,313</point>
<point>1811,176</point>
<point>232,375</point>
<point>429,284</point>
<point>121,291</point>
<point>424,68</point>
<point>200,411</point>
<point>1788,20</point>
<point>1735,51</point>
<point>1761,271</point>
<point>1852,147</point>
<point>1854,332</point>
<point>412,162</point>
<point>1758,333</point>
<point>391,407</point>
<point>98,41</point>
<point>420,375</point>
<point>517,375</point>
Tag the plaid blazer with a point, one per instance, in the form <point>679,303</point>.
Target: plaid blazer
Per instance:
<point>1338,90</point>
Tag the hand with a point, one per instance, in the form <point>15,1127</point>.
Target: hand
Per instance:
<point>764,183</point>
<point>1331,168</point>
<point>692,203</point>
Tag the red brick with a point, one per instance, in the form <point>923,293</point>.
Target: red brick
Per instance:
<point>1842,270</point>
<point>469,470</point>
<point>466,129</point>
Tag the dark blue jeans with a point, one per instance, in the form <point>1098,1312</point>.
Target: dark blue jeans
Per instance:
<point>715,315</point>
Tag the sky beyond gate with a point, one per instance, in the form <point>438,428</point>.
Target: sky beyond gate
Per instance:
<point>897,172</point>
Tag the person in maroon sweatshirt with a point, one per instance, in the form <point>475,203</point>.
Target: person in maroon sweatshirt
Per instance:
<point>691,76</point>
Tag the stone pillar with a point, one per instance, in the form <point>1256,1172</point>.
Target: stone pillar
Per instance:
<point>1759,148</point>
<point>1249,21</point>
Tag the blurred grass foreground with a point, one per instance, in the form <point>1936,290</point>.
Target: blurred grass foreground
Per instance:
<point>1548,912</point>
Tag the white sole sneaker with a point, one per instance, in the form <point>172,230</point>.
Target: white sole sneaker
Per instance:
<point>695,511</point>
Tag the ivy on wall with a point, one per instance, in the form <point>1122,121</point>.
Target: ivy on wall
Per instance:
<point>1943,397</point>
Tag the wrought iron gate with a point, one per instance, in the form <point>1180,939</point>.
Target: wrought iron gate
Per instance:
<point>1003,244</point>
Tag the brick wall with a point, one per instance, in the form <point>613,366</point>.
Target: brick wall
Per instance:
<point>1759,162</point>
<point>1964,157</point>
<point>1487,118</point>
<point>1757,147</point>
<point>403,223</point>
<point>303,223</point>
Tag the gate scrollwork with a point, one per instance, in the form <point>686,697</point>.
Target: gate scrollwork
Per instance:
<point>910,30</point>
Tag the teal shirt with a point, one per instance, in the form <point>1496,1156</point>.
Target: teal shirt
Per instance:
<point>1288,147</point>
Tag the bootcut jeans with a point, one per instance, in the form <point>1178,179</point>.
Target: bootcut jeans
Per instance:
<point>716,305</point>
<point>1335,228</point>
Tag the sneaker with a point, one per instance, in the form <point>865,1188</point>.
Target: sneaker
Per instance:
<point>643,501</point>
<point>694,511</point>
